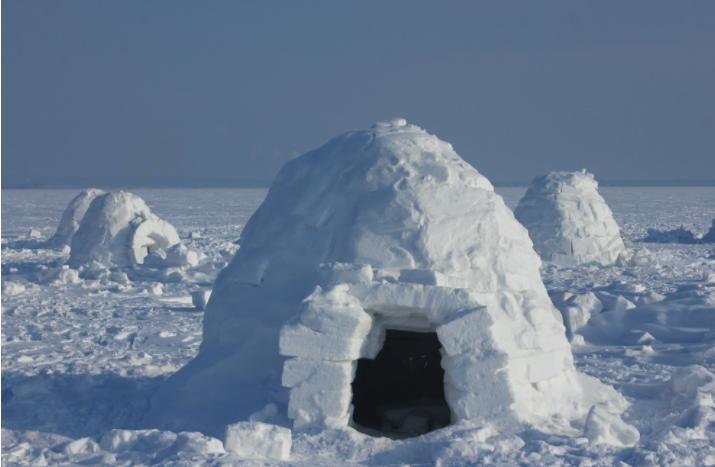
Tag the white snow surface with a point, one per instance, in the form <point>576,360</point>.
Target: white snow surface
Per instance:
<point>81,360</point>
<point>569,221</point>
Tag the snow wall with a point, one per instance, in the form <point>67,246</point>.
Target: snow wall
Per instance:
<point>568,220</point>
<point>384,228</point>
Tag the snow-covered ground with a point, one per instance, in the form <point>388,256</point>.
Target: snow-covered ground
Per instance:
<point>80,358</point>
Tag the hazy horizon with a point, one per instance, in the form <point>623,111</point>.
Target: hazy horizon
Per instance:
<point>224,93</point>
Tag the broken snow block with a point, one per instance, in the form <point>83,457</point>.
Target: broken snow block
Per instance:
<point>297,340</point>
<point>257,440</point>
<point>468,332</point>
<point>603,427</point>
<point>200,298</point>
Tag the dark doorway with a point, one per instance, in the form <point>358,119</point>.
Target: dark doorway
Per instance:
<point>401,392</point>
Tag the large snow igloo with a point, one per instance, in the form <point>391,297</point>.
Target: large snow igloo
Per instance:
<point>383,285</point>
<point>569,221</point>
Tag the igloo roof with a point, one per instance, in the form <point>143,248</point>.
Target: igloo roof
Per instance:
<point>392,196</point>
<point>568,220</point>
<point>383,225</point>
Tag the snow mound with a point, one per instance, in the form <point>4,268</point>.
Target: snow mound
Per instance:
<point>72,217</point>
<point>684,316</point>
<point>380,229</point>
<point>119,230</point>
<point>679,235</point>
<point>568,220</point>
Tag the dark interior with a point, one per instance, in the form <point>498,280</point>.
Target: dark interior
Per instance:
<point>401,392</point>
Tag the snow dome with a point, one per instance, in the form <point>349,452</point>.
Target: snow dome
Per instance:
<point>71,218</point>
<point>383,285</point>
<point>568,220</point>
<point>118,229</point>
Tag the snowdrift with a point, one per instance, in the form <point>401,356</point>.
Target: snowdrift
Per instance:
<point>568,220</point>
<point>679,235</point>
<point>381,230</point>
<point>119,230</point>
<point>72,216</point>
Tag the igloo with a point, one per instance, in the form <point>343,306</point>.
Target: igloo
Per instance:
<point>119,230</point>
<point>72,216</point>
<point>568,220</point>
<point>382,285</point>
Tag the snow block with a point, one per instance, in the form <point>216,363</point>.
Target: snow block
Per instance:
<point>469,332</point>
<point>257,440</point>
<point>326,374</point>
<point>297,340</point>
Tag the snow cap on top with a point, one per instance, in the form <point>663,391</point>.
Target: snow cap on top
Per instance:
<point>568,220</point>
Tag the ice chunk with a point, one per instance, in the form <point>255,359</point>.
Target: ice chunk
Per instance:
<point>200,298</point>
<point>256,440</point>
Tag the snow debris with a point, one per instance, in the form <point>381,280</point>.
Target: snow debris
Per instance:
<point>10,288</point>
<point>603,427</point>
<point>568,220</point>
<point>257,440</point>
<point>387,229</point>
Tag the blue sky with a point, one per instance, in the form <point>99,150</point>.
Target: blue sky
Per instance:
<point>226,91</point>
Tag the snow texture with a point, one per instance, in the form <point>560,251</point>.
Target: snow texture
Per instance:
<point>568,220</point>
<point>384,228</point>
<point>80,361</point>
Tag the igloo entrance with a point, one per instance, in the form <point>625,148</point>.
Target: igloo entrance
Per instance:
<point>400,393</point>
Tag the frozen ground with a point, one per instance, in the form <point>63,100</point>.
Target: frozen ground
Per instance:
<point>80,359</point>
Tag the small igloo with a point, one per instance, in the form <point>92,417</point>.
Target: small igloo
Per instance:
<point>568,220</point>
<point>382,285</point>
<point>119,230</point>
<point>72,216</point>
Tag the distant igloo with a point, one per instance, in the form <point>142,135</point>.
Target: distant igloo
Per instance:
<point>119,230</point>
<point>383,285</point>
<point>72,216</point>
<point>568,220</point>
